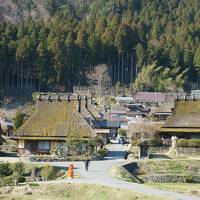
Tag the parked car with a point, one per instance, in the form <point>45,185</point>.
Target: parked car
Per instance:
<point>122,140</point>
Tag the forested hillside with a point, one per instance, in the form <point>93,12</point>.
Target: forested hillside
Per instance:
<point>58,48</point>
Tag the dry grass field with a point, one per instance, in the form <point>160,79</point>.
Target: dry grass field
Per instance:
<point>71,192</point>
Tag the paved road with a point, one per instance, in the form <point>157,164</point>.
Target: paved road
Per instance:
<point>99,174</point>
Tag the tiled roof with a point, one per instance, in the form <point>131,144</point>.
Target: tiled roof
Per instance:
<point>118,107</point>
<point>106,124</point>
<point>149,97</point>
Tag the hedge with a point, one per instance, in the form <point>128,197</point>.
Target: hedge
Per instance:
<point>194,143</point>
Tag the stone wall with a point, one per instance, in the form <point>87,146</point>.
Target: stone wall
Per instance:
<point>159,150</point>
<point>188,151</point>
<point>171,178</point>
<point>182,151</point>
<point>132,169</point>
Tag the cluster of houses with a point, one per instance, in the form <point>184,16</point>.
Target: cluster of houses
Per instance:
<point>141,116</point>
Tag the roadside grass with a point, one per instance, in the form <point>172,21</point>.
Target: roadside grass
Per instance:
<point>186,188</point>
<point>168,166</point>
<point>182,171</point>
<point>77,192</point>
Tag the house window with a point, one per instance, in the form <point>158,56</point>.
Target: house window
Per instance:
<point>61,144</point>
<point>44,146</point>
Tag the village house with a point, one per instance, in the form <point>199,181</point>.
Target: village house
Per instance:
<point>126,112</point>
<point>153,98</point>
<point>106,129</point>
<point>56,116</point>
<point>185,119</point>
<point>162,112</point>
<point>149,98</point>
<point>123,100</point>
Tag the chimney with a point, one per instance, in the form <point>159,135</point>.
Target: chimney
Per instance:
<point>68,97</point>
<point>86,102</point>
<point>79,104</point>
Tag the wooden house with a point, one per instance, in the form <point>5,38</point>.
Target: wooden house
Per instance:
<point>185,119</point>
<point>162,112</point>
<point>56,116</point>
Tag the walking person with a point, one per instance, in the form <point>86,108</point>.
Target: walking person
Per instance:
<point>87,163</point>
<point>123,141</point>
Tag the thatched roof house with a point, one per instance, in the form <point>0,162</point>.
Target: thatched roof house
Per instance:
<point>185,119</point>
<point>49,126</point>
<point>163,111</point>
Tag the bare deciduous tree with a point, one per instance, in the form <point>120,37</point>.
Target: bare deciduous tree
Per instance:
<point>99,80</point>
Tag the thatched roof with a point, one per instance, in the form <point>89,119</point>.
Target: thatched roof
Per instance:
<point>185,117</point>
<point>54,119</point>
<point>164,108</point>
<point>118,109</point>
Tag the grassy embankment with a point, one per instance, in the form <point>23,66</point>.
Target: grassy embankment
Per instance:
<point>186,188</point>
<point>74,192</point>
<point>188,167</point>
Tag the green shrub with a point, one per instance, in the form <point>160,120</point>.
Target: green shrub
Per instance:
<point>11,174</point>
<point>18,178</point>
<point>155,141</point>
<point>195,143</point>
<point>102,152</point>
<point>60,173</point>
<point>19,120</point>
<point>34,96</point>
<point>93,143</point>
<point>182,143</point>
<point>7,181</point>
<point>19,167</point>
<point>192,179</point>
<point>5,169</point>
<point>136,142</point>
<point>48,172</point>
<point>122,132</point>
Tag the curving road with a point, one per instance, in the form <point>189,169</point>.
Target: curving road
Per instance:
<point>99,174</point>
